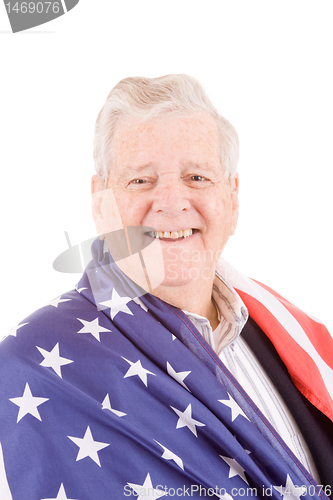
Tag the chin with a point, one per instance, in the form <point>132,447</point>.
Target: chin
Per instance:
<point>175,282</point>
<point>181,275</point>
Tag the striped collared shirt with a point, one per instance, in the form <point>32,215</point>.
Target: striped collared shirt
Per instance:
<point>245,367</point>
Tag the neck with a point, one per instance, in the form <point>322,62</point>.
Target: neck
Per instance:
<point>192,297</point>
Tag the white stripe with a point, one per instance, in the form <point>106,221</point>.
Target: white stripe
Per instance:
<point>5,493</point>
<point>284,317</point>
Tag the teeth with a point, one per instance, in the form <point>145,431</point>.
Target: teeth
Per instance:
<point>173,235</point>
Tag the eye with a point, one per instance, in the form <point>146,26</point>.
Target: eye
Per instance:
<point>198,178</point>
<point>197,181</point>
<point>141,183</point>
<point>138,181</point>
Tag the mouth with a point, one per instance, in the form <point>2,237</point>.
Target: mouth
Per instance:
<point>172,235</point>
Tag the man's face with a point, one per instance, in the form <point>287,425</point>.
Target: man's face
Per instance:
<point>167,174</point>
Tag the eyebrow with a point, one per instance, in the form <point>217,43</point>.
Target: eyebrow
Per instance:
<point>188,165</point>
<point>203,165</point>
<point>131,170</point>
<point>138,168</point>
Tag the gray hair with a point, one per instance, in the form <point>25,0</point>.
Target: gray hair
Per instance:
<point>147,98</point>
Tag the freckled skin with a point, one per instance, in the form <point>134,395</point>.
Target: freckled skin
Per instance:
<point>167,174</point>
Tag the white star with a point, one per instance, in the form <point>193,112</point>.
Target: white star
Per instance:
<point>107,406</point>
<point>13,331</point>
<point>146,489</point>
<point>173,336</point>
<point>56,302</point>
<point>137,369</point>
<point>169,455</point>
<point>61,495</point>
<point>179,376</point>
<point>235,468</point>
<point>140,303</point>
<point>186,420</point>
<point>88,447</point>
<point>235,409</point>
<point>53,360</point>
<point>92,327</point>
<point>290,491</point>
<point>28,404</point>
<point>117,304</point>
<point>82,288</point>
<point>225,496</point>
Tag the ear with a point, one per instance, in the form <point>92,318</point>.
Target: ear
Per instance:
<point>97,198</point>
<point>234,185</point>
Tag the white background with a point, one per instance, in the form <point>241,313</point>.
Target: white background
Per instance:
<point>266,65</point>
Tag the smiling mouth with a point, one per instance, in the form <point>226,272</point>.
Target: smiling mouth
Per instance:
<point>172,235</point>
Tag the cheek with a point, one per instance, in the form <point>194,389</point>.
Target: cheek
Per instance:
<point>132,209</point>
<point>219,223</point>
<point>218,213</point>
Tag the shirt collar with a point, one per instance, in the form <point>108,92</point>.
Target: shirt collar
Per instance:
<point>232,314</point>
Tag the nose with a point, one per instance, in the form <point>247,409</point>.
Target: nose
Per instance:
<point>170,198</point>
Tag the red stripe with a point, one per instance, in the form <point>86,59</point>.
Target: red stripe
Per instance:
<point>300,365</point>
<point>317,333</point>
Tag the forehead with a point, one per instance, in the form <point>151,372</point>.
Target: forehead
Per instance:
<point>188,135</point>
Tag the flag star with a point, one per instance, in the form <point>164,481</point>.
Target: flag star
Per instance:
<point>92,327</point>
<point>146,489</point>
<point>137,369</point>
<point>53,359</point>
<point>179,376</point>
<point>88,447</point>
<point>290,491</point>
<point>173,336</point>
<point>28,404</point>
<point>186,420</point>
<point>117,304</point>
<point>140,303</point>
<point>169,455</point>
<point>225,496</point>
<point>56,302</point>
<point>235,468</point>
<point>61,495</point>
<point>13,331</point>
<point>106,405</point>
<point>82,288</point>
<point>235,409</point>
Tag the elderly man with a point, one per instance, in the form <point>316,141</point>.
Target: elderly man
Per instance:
<point>165,372</point>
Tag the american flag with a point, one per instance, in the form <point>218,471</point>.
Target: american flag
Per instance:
<point>105,396</point>
<point>303,343</point>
